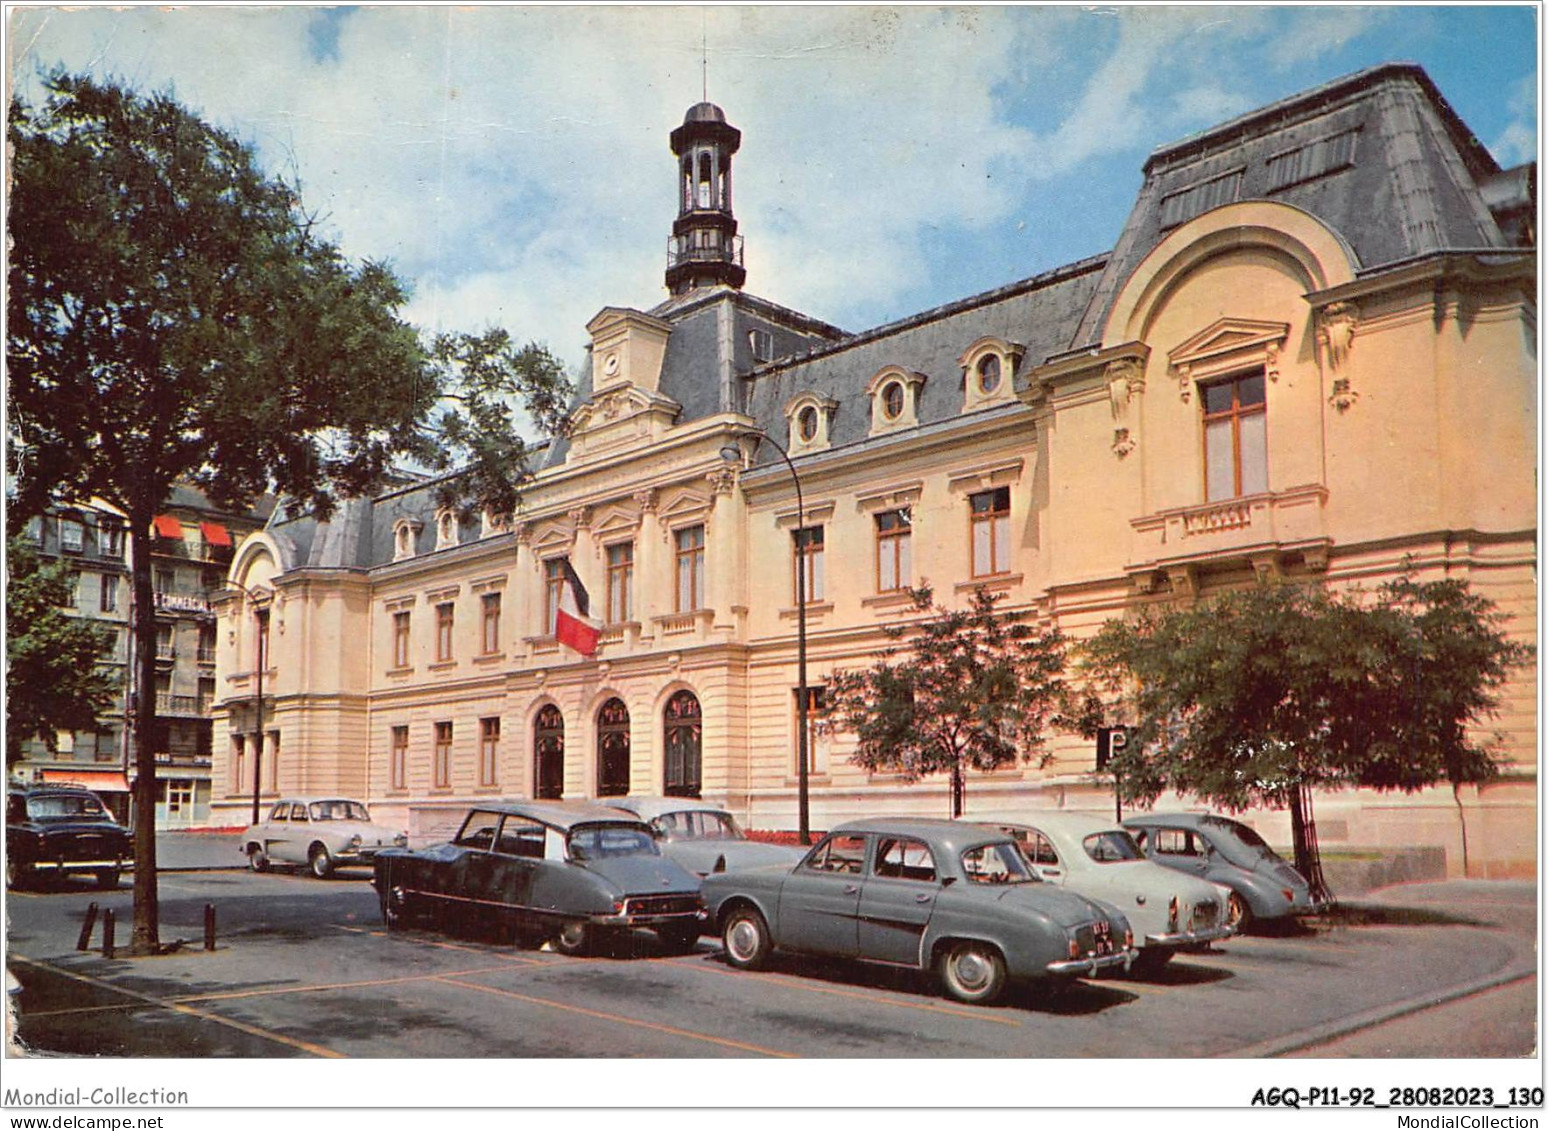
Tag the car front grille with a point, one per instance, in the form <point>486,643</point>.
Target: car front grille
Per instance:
<point>661,905</point>
<point>1096,938</point>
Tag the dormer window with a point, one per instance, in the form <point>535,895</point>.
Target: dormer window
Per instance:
<point>894,399</point>
<point>445,529</point>
<point>405,533</point>
<point>762,343</point>
<point>988,372</point>
<point>808,416</point>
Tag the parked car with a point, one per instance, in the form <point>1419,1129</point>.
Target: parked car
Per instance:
<point>320,833</point>
<point>1227,852</point>
<point>571,872</point>
<point>957,898</point>
<point>59,830</point>
<point>1100,860</point>
<point>703,837</point>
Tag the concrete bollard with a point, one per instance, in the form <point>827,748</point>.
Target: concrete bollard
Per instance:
<point>108,924</point>
<point>84,941</point>
<point>209,926</point>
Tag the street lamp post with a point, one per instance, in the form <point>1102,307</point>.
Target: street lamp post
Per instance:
<point>803,772</point>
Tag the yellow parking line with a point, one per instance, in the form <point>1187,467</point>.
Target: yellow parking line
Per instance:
<point>186,1010</point>
<point>615,1017</point>
<point>928,1007</point>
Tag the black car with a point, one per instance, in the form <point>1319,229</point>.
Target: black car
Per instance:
<point>565,871</point>
<point>56,830</point>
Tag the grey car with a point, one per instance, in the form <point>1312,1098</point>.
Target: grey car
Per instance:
<point>1226,852</point>
<point>701,836</point>
<point>956,898</point>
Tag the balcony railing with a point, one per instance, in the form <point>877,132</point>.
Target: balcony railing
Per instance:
<point>188,706</point>
<point>680,251</point>
<point>206,655</point>
<point>190,551</point>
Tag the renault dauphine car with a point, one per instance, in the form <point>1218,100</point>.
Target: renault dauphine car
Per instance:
<point>567,872</point>
<point>60,830</point>
<point>702,836</point>
<point>1099,859</point>
<point>957,898</point>
<point>319,833</point>
<point>1262,884</point>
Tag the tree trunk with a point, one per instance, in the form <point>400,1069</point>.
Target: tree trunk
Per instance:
<point>1308,855</point>
<point>958,790</point>
<point>147,917</point>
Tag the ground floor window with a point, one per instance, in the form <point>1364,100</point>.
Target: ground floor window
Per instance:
<point>613,749</point>
<point>684,727</point>
<point>548,754</point>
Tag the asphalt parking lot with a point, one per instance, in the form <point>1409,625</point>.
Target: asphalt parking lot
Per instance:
<point>304,968</point>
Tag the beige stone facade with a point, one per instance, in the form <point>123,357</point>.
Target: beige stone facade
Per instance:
<point>1309,355</point>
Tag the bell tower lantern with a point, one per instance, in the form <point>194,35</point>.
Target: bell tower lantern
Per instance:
<point>705,249</point>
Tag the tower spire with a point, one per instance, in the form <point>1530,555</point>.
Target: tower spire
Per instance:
<point>705,249</point>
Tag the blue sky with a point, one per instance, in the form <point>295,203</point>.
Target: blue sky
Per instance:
<point>512,163</point>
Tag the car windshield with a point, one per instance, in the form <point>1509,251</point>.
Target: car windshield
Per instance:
<point>590,842</point>
<point>689,824</point>
<point>1111,847</point>
<point>1240,843</point>
<point>339,811</point>
<point>1000,863</point>
<point>64,805</point>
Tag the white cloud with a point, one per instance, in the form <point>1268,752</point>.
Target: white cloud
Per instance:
<point>1517,142</point>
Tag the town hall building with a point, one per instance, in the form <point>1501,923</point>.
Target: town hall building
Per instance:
<point>1310,354</point>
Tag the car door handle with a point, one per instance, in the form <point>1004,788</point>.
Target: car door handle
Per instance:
<point>923,897</point>
<point>851,889</point>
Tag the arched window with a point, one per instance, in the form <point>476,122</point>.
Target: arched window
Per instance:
<point>687,184</point>
<point>706,181</point>
<point>684,726</point>
<point>613,749</point>
<point>548,754</point>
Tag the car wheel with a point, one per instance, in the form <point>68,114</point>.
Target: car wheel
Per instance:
<point>1151,960</point>
<point>107,878</point>
<point>16,873</point>
<point>972,972</point>
<point>1238,914</point>
<point>679,939</point>
<point>257,858</point>
<point>746,939</point>
<point>321,862</point>
<point>395,909</point>
<point>572,938</point>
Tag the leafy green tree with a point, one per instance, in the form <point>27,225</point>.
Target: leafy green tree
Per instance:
<point>1262,695</point>
<point>52,678</point>
<point>971,688</point>
<point>174,316</point>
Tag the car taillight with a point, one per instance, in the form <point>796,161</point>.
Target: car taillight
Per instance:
<point>1288,894</point>
<point>1171,915</point>
<point>618,906</point>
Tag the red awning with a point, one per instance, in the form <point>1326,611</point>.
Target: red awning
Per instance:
<point>215,534</point>
<point>103,781</point>
<point>167,526</point>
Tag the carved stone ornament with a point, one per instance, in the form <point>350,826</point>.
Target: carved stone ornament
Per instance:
<point>1184,375</point>
<point>1343,396</point>
<point>1336,332</point>
<point>722,479</point>
<point>523,533</point>
<point>580,517</point>
<point>1125,380</point>
<point>646,500</point>
<point>1123,443</point>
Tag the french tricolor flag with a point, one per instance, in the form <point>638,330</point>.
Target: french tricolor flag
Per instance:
<point>573,625</point>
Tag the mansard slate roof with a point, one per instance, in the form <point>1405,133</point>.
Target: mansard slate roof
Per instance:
<point>1378,156</point>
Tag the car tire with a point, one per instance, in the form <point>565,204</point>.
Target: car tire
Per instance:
<point>573,938</point>
<point>107,878</point>
<point>971,972</point>
<point>746,939</point>
<point>679,939</point>
<point>1238,913</point>
<point>320,861</point>
<point>257,858</point>
<point>17,874</point>
<point>1151,961</point>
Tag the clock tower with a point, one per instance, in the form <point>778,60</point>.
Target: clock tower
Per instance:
<point>705,249</point>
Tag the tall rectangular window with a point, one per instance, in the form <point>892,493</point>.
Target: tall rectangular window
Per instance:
<point>398,758</point>
<point>164,646</point>
<point>400,639</point>
<point>261,659</point>
<point>990,512</point>
<point>166,581</point>
<point>818,735</point>
<point>620,583</point>
<point>490,607</point>
<point>488,751</point>
<point>238,763</point>
<point>894,551</point>
<point>206,653</point>
<point>73,589</point>
<point>690,569</point>
<point>443,742</point>
<point>72,535</point>
<point>271,762</point>
<point>553,589</point>
<point>444,613</point>
<point>112,538</point>
<point>109,593</point>
<point>807,550</point>
<point>1235,438</point>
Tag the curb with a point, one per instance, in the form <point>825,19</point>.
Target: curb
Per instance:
<point>1332,1030</point>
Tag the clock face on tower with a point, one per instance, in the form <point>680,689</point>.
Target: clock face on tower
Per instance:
<point>610,365</point>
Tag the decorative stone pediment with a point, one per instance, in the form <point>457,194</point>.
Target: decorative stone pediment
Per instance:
<point>1226,345</point>
<point>619,416</point>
